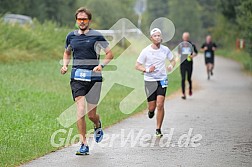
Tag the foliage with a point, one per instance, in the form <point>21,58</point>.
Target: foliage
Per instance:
<point>60,11</point>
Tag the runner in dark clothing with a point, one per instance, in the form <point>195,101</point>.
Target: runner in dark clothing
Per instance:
<point>188,51</point>
<point>85,44</point>
<point>209,47</point>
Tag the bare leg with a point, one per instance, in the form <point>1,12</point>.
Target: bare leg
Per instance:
<point>211,68</point>
<point>81,123</point>
<point>152,105</point>
<point>92,115</point>
<point>160,110</point>
<point>208,70</point>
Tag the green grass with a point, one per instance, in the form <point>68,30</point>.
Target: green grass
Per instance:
<point>240,56</point>
<point>32,96</point>
<point>33,93</point>
<point>28,44</point>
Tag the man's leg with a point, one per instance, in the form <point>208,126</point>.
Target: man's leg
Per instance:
<point>189,77</point>
<point>208,69</point>
<point>152,105</point>
<point>212,63</point>
<point>211,66</point>
<point>160,110</point>
<point>183,75</point>
<point>92,115</point>
<point>93,97</point>
<point>150,90</point>
<point>151,108</point>
<point>81,123</point>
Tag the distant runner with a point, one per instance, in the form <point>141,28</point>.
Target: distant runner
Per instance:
<point>186,66</point>
<point>209,47</point>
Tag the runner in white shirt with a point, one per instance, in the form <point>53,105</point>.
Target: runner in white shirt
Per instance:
<point>151,61</point>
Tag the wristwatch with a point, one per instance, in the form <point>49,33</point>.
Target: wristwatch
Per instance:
<point>102,65</point>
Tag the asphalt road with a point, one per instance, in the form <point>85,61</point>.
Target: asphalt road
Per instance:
<point>211,128</point>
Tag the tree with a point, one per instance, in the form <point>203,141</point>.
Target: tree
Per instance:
<point>244,19</point>
<point>59,11</point>
<point>227,8</point>
<point>186,17</point>
<point>107,12</point>
<point>208,14</point>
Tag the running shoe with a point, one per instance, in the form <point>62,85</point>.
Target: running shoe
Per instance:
<point>190,92</point>
<point>151,114</point>
<point>84,150</point>
<point>98,133</point>
<point>184,96</point>
<point>158,133</point>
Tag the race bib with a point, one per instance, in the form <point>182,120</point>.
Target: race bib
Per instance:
<point>208,55</point>
<point>186,51</point>
<point>164,83</point>
<point>82,75</point>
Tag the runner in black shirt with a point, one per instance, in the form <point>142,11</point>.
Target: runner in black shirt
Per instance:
<point>85,44</point>
<point>186,66</point>
<point>209,47</point>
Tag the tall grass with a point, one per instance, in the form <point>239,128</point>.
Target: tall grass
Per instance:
<point>31,43</point>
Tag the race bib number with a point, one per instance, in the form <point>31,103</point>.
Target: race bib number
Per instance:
<point>208,55</point>
<point>164,83</point>
<point>186,51</point>
<point>82,75</point>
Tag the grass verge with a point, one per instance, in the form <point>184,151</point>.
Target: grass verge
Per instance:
<point>238,55</point>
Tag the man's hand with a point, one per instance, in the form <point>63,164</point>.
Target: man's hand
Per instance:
<point>63,70</point>
<point>151,69</point>
<point>205,48</point>
<point>170,68</point>
<point>98,68</point>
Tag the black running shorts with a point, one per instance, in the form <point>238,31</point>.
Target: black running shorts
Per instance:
<point>209,60</point>
<point>91,90</point>
<point>153,89</point>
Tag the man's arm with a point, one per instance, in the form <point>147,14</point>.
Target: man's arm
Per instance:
<point>109,56</point>
<point>173,62</point>
<point>141,68</point>
<point>203,47</point>
<point>66,60</point>
<point>195,51</point>
<point>172,65</point>
<point>214,47</point>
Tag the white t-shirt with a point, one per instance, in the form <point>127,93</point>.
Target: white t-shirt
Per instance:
<point>157,58</point>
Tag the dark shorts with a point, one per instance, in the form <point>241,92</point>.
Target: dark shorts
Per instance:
<point>153,89</point>
<point>91,90</point>
<point>209,60</point>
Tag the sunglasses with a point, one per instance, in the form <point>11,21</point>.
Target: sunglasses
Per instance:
<point>85,20</point>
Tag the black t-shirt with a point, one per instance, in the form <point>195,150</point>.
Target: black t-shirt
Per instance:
<point>86,51</point>
<point>185,49</point>
<point>209,53</point>
<point>85,48</point>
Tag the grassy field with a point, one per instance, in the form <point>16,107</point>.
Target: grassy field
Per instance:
<point>32,96</point>
<point>33,93</point>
